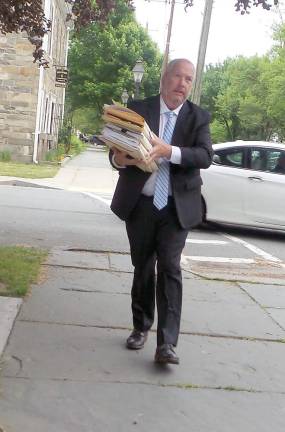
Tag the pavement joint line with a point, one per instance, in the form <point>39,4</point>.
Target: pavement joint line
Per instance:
<point>199,275</point>
<point>94,291</point>
<point>19,361</point>
<point>187,387</point>
<point>102,251</point>
<point>185,333</point>
<point>262,307</point>
<point>86,268</point>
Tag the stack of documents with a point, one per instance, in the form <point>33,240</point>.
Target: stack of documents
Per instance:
<point>128,131</point>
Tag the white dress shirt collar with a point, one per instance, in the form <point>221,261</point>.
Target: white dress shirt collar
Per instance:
<point>164,108</point>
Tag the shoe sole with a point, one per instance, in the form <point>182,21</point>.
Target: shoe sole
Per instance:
<point>130,347</point>
<point>161,360</point>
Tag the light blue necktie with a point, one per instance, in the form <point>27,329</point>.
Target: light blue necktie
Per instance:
<point>160,197</point>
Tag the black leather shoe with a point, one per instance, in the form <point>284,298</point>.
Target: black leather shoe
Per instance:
<point>165,354</point>
<point>136,340</point>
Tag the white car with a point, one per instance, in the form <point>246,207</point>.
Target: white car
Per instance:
<point>245,185</point>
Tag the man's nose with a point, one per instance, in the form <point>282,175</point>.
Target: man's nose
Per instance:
<point>183,82</point>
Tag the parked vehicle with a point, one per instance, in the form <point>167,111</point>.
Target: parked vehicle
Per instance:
<point>83,137</point>
<point>94,139</point>
<point>245,185</point>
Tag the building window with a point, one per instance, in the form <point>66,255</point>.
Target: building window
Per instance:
<point>51,123</point>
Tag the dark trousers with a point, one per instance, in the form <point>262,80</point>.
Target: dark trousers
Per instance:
<point>156,238</point>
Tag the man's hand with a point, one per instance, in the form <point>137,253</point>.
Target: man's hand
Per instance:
<point>159,149</point>
<point>122,159</point>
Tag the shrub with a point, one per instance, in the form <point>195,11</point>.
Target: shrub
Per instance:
<point>5,156</point>
<point>56,154</point>
<point>77,146</point>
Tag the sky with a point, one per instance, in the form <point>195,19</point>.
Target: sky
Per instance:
<point>230,33</point>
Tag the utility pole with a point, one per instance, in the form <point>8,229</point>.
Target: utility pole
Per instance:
<point>196,92</point>
<point>166,53</point>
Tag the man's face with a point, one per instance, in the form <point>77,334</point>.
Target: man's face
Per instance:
<point>176,84</point>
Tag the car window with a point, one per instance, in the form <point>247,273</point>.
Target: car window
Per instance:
<point>275,161</point>
<point>269,160</point>
<point>258,159</point>
<point>229,157</point>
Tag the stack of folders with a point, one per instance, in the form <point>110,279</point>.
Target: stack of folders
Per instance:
<point>128,131</point>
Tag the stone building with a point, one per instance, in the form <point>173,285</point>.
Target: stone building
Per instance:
<point>31,97</point>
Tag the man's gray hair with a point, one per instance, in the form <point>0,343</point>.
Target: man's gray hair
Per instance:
<point>174,62</point>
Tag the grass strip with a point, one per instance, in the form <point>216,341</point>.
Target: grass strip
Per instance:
<point>33,171</point>
<point>19,268</point>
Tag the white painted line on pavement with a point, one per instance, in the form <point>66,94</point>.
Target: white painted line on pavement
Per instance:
<point>214,242</point>
<point>253,248</point>
<point>185,258</point>
<point>105,201</point>
<point>218,259</point>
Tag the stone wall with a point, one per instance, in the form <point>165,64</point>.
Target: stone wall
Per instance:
<point>30,101</point>
<point>18,96</point>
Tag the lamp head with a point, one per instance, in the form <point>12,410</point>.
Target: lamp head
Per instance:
<point>125,96</point>
<point>138,71</point>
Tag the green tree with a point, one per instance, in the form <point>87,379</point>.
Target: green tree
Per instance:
<point>243,100</point>
<point>101,62</point>
<point>275,76</point>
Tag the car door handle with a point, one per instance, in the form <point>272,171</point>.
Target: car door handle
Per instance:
<point>255,178</point>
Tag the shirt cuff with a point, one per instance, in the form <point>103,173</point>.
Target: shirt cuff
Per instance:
<point>115,164</point>
<point>175,157</point>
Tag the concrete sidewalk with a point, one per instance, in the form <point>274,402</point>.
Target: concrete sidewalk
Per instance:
<point>66,368</point>
<point>88,172</point>
<point>77,174</point>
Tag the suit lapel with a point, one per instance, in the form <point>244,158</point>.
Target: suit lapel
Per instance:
<point>182,125</point>
<point>153,114</point>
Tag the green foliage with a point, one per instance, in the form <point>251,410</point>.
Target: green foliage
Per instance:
<point>87,121</point>
<point>5,156</point>
<point>218,132</point>
<point>74,147</point>
<point>56,155</point>
<point>101,62</point>
<point>77,146</point>
<point>28,170</point>
<point>246,96</point>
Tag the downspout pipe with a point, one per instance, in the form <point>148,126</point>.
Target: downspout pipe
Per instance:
<point>38,115</point>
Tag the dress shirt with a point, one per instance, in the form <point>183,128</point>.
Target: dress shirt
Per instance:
<point>175,157</point>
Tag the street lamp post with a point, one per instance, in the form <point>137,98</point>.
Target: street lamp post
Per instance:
<point>125,97</point>
<point>138,71</point>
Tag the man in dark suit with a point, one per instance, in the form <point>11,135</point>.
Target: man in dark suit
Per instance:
<point>160,208</point>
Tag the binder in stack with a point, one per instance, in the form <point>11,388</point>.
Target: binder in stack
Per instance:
<point>128,131</point>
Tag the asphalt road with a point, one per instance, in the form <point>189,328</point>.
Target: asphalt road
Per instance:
<point>56,218</point>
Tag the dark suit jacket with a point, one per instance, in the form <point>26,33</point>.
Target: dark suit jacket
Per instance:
<point>192,135</point>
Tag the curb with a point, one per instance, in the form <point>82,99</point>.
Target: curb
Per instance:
<point>9,308</point>
<point>66,160</point>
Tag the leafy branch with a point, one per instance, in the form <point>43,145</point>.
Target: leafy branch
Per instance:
<point>28,16</point>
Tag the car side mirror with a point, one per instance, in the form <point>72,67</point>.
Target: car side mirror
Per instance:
<point>217,159</point>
